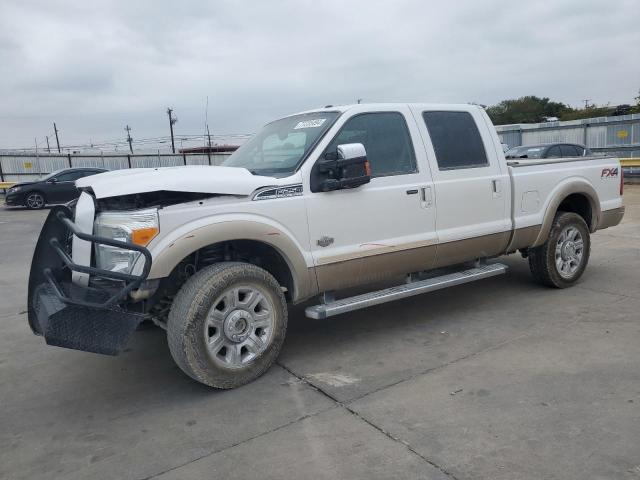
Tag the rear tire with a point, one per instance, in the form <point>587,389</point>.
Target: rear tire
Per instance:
<point>562,259</point>
<point>227,324</point>
<point>34,201</point>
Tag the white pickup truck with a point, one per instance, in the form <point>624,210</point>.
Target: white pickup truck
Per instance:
<point>351,196</point>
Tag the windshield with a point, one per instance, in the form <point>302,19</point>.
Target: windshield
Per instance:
<point>281,146</point>
<point>525,152</point>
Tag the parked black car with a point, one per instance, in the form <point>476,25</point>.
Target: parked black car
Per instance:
<point>57,187</point>
<point>548,150</point>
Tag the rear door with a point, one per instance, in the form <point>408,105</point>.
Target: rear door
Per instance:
<point>472,185</point>
<point>381,229</point>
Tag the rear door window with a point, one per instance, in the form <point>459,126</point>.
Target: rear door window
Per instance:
<point>554,152</point>
<point>456,140</point>
<point>569,151</point>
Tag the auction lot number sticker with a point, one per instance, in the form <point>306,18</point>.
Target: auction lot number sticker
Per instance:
<point>310,123</point>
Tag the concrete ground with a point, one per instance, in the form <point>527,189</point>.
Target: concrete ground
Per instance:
<point>501,379</point>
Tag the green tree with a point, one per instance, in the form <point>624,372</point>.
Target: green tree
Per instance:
<point>636,109</point>
<point>528,109</point>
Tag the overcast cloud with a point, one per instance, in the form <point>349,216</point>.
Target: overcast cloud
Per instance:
<point>95,66</point>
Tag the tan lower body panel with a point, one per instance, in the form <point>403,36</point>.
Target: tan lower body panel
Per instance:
<point>374,268</point>
<point>452,253</point>
<point>385,266</point>
<point>610,218</point>
<point>524,237</point>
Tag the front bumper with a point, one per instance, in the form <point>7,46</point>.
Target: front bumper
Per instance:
<point>69,315</point>
<point>14,199</point>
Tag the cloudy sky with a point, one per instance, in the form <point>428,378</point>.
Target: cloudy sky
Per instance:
<point>94,67</point>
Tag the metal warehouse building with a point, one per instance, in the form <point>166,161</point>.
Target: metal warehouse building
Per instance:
<point>619,136</point>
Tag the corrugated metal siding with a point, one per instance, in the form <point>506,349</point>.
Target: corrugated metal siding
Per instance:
<point>29,167</point>
<point>597,137</point>
<point>569,135</point>
<point>512,138</point>
<point>614,135</point>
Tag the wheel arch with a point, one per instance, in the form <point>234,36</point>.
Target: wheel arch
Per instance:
<point>256,242</point>
<point>577,196</point>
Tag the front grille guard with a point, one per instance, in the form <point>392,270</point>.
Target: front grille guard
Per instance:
<point>131,282</point>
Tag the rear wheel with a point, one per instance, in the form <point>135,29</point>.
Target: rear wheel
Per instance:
<point>227,324</point>
<point>34,201</point>
<point>562,259</point>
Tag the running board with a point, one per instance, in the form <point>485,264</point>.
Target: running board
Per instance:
<point>350,304</point>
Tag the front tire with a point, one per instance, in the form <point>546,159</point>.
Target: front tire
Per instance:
<point>562,259</point>
<point>35,201</point>
<point>227,324</point>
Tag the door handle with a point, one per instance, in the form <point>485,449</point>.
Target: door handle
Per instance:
<point>426,198</point>
<point>412,191</point>
<point>496,186</point>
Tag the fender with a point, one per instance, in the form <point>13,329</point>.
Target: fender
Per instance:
<point>171,249</point>
<point>562,191</point>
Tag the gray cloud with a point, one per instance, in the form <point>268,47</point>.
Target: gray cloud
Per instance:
<point>96,66</point>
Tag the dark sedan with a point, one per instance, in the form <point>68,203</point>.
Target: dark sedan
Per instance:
<point>57,187</point>
<point>548,150</point>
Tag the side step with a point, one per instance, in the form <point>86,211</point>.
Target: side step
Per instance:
<point>344,305</point>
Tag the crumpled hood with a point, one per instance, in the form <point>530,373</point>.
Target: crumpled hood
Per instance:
<point>194,179</point>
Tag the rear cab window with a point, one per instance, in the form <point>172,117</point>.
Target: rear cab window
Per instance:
<point>456,140</point>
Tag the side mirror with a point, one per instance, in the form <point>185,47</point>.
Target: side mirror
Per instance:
<point>347,168</point>
<point>52,180</point>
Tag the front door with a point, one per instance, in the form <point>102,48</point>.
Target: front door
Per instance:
<point>382,229</point>
<point>64,188</point>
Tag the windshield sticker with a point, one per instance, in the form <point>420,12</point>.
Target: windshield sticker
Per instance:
<point>310,123</point>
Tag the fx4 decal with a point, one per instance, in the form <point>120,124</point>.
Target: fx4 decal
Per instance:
<point>609,173</point>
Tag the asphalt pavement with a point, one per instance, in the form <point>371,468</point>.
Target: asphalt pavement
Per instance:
<point>498,379</point>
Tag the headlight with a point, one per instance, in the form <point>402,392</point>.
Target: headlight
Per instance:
<point>14,189</point>
<point>139,227</point>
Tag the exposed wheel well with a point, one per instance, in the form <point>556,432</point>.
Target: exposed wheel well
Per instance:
<point>580,204</point>
<point>257,253</point>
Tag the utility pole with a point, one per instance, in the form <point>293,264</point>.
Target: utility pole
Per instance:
<point>48,148</point>
<point>172,121</point>
<point>129,139</point>
<point>586,103</point>
<point>55,129</point>
<point>209,149</point>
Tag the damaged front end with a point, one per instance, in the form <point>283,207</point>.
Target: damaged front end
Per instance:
<point>69,314</point>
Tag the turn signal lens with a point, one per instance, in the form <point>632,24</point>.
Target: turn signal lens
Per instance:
<point>367,168</point>
<point>143,236</point>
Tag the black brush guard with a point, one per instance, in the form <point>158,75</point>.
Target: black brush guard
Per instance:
<point>72,316</point>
